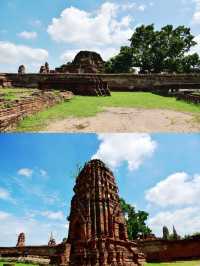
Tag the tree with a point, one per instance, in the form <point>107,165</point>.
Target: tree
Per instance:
<point>155,51</point>
<point>136,221</point>
<point>165,233</point>
<point>121,63</point>
<point>175,236</point>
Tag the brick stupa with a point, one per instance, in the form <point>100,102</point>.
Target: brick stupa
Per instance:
<point>97,230</point>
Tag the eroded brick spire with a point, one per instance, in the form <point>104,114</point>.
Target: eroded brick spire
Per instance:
<point>97,231</point>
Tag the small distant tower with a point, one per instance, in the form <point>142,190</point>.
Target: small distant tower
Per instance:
<point>21,240</point>
<point>21,70</point>
<point>47,67</point>
<point>52,241</point>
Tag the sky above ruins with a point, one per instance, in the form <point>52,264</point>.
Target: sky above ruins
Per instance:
<point>54,31</point>
<point>158,173</point>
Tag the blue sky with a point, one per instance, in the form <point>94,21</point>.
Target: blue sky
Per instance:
<point>158,173</point>
<point>55,30</point>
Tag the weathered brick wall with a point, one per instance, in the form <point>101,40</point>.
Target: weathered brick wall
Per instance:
<point>155,251</point>
<point>58,255</point>
<point>10,116</point>
<point>162,250</point>
<point>116,82</point>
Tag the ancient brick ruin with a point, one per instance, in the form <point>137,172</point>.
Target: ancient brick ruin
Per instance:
<point>87,86</point>
<point>21,240</point>
<point>12,112</point>
<point>84,62</point>
<point>97,230</point>
<point>52,241</point>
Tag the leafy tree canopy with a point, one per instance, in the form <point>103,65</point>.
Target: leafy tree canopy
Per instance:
<point>121,63</point>
<point>155,51</point>
<point>136,221</point>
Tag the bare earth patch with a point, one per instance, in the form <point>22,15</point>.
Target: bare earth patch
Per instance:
<point>129,120</point>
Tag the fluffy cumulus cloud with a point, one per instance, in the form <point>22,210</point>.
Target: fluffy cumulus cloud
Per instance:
<point>185,220</point>
<point>25,172</point>
<point>97,28</point>
<point>196,15</point>
<point>12,55</point>
<point>36,231</point>
<point>133,149</point>
<point>176,190</point>
<point>177,198</point>
<point>103,30</point>
<point>28,35</point>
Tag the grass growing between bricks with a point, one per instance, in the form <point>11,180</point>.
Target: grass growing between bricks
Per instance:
<point>82,106</point>
<point>10,94</point>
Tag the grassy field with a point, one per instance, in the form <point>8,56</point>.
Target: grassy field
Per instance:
<point>82,106</point>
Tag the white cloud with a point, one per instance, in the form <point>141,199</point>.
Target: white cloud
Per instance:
<point>36,232</point>
<point>5,195</point>
<point>13,55</point>
<point>196,15</point>
<point>176,190</point>
<point>116,149</point>
<point>98,28</point>
<point>28,35</point>
<point>25,172</point>
<point>53,215</point>
<point>186,221</point>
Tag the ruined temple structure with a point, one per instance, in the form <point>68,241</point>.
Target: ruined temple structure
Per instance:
<point>97,230</point>
<point>21,70</point>
<point>84,62</point>
<point>52,241</point>
<point>44,69</point>
<point>21,240</point>
<point>90,85</point>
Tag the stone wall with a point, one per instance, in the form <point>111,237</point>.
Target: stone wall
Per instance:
<point>155,251</point>
<point>57,255</point>
<point>18,109</point>
<point>171,250</point>
<point>116,82</point>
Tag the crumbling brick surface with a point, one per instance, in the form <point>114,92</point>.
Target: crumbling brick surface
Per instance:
<point>171,250</point>
<point>12,112</point>
<point>97,229</point>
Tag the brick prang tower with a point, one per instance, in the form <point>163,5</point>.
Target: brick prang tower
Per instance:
<point>21,240</point>
<point>97,230</point>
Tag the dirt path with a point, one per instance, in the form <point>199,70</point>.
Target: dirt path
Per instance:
<point>129,120</point>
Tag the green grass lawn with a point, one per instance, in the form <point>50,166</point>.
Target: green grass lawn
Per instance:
<point>82,106</point>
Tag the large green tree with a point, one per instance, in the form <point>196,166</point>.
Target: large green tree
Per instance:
<point>164,50</point>
<point>121,63</point>
<point>155,51</point>
<point>136,221</point>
